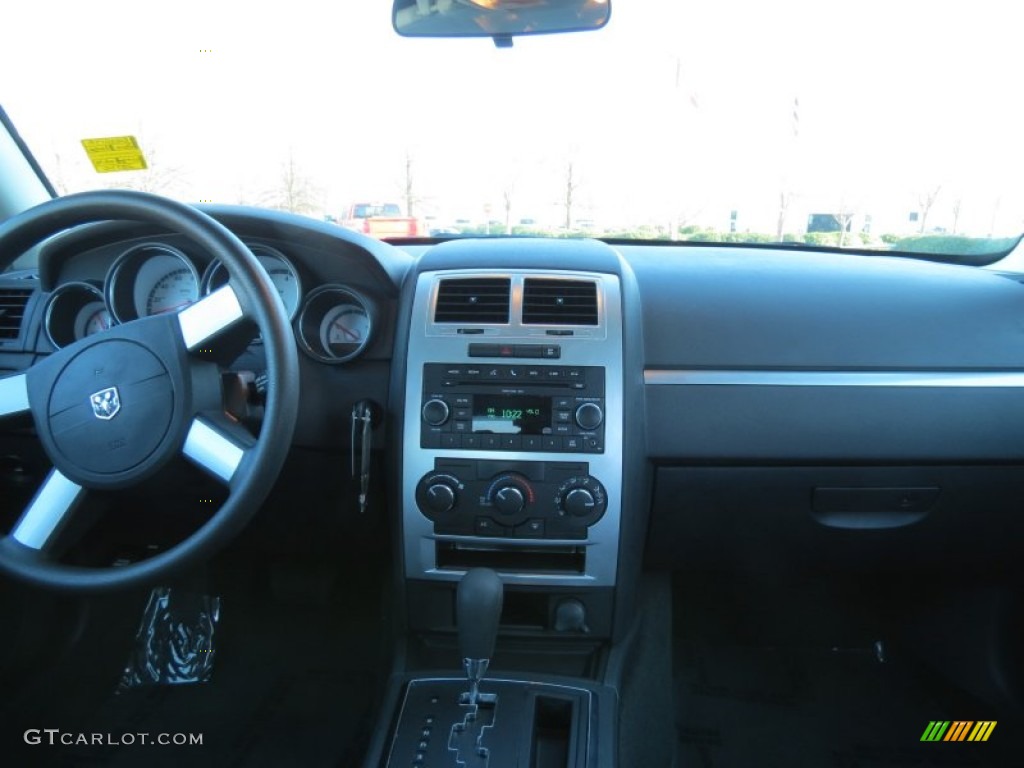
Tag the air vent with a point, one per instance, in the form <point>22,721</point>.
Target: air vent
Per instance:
<point>12,310</point>
<point>473,300</point>
<point>559,302</point>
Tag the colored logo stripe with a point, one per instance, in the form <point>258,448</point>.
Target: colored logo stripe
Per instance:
<point>935,730</point>
<point>958,730</point>
<point>982,730</point>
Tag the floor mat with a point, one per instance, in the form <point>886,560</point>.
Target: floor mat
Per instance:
<point>292,685</point>
<point>762,686</point>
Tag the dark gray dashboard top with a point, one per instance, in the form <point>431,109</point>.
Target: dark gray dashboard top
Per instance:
<point>734,308</point>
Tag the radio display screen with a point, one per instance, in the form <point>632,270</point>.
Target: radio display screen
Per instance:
<point>512,414</point>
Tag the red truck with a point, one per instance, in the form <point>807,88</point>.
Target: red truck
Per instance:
<point>381,220</point>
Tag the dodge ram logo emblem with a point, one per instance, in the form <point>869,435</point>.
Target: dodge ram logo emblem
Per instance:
<point>106,403</point>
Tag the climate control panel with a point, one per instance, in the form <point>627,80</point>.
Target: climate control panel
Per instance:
<point>547,500</point>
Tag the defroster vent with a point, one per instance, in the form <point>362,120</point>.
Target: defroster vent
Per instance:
<point>473,300</point>
<point>559,302</point>
<point>12,310</point>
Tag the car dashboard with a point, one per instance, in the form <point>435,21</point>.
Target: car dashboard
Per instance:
<point>573,413</point>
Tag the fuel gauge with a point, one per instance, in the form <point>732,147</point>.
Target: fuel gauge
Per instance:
<point>335,324</point>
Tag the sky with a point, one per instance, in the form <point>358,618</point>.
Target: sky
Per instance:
<point>677,110</point>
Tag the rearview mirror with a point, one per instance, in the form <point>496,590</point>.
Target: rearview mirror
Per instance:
<point>500,19</point>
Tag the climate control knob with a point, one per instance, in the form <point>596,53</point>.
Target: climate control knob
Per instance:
<point>435,412</point>
<point>437,494</point>
<point>509,500</point>
<point>440,497</point>
<point>510,493</point>
<point>578,502</point>
<point>582,497</point>
<point>589,416</point>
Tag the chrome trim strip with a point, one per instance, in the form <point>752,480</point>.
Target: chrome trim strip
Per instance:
<point>212,450</point>
<point>209,316</point>
<point>13,394</point>
<point>50,507</point>
<point>934,379</point>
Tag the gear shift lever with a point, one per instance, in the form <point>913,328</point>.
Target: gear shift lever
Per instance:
<point>478,609</point>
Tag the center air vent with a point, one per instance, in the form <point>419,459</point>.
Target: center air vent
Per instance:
<point>473,300</point>
<point>559,302</point>
<point>12,310</point>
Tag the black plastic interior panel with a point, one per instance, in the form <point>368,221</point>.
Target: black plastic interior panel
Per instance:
<point>768,519</point>
<point>776,310</point>
<point>834,424</point>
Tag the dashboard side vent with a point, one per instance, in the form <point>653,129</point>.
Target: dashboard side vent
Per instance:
<point>473,300</point>
<point>12,310</point>
<point>559,302</point>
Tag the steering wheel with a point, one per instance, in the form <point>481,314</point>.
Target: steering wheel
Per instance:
<point>113,409</point>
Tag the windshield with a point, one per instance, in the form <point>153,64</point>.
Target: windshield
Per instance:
<point>868,124</point>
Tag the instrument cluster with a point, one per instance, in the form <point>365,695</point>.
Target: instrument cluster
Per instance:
<point>332,323</point>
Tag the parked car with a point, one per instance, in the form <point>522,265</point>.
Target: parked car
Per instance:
<point>381,220</point>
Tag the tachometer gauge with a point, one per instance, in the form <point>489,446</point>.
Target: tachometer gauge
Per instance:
<point>335,324</point>
<point>74,311</point>
<point>282,274</point>
<point>151,279</point>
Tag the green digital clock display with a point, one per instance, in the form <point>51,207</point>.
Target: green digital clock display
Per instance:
<point>512,414</point>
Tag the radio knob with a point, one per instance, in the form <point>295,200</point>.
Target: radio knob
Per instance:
<point>435,412</point>
<point>579,502</point>
<point>589,416</point>
<point>509,500</point>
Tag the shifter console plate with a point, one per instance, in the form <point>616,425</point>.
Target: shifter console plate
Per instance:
<point>435,729</point>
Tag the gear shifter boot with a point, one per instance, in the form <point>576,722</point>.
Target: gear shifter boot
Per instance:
<point>478,610</point>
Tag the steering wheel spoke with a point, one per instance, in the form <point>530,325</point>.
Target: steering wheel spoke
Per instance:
<point>209,316</point>
<point>13,395</point>
<point>48,512</point>
<point>214,451</point>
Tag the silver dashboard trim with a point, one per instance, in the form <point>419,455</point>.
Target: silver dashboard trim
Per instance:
<point>601,345</point>
<point>931,379</point>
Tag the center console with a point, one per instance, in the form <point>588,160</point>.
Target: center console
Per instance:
<point>512,472</point>
<point>513,410</point>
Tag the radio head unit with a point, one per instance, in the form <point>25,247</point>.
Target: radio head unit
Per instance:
<point>513,408</point>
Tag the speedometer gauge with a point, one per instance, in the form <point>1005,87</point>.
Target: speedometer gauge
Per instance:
<point>176,289</point>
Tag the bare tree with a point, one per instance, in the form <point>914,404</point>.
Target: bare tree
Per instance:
<point>159,177</point>
<point>571,185</point>
<point>409,193</point>
<point>957,204</point>
<point>295,192</point>
<point>844,217</point>
<point>785,198</point>
<point>507,193</point>
<point>925,202</point>
<point>57,175</point>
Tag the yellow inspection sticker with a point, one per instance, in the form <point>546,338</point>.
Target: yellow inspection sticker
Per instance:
<point>116,153</point>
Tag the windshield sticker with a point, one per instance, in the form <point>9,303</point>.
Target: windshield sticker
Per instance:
<point>116,153</point>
